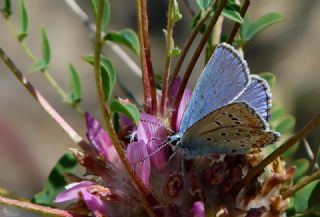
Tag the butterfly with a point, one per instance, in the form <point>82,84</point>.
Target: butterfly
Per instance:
<point>228,110</point>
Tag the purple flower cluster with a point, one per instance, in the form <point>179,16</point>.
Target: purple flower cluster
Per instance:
<point>179,187</point>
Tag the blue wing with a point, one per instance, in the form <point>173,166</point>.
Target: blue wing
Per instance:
<point>258,96</point>
<point>224,79</point>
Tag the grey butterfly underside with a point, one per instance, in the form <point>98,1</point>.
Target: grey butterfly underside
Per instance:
<point>224,79</point>
<point>231,129</point>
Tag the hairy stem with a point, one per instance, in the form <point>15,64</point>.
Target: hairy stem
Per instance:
<point>196,55</point>
<point>54,84</point>
<point>107,117</point>
<point>236,26</point>
<point>42,101</point>
<point>256,171</point>
<point>300,185</point>
<point>188,44</point>
<point>169,45</point>
<point>149,87</point>
<point>35,208</point>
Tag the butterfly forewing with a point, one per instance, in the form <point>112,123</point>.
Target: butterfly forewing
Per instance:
<point>224,78</point>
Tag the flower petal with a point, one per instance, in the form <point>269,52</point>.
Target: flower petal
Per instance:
<point>93,202</point>
<point>137,154</point>
<point>198,209</point>
<point>101,141</point>
<point>183,104</point>
<point>154,134</point>
<point>72,191</point>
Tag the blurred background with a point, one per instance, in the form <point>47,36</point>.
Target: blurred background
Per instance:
<point>31,142</point>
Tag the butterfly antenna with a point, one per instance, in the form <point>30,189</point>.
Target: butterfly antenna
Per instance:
<point>159,125</point>
<point>140,162</point>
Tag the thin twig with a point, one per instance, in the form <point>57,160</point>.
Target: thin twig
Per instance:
<point>314,164</point>
<point>42,101</point>
<point>188,44</point>
<point>150,95</point>
<point>256,171</point>
<point>301,184</point>
<point>46,73</point>
<point>35,207</point>
<point>236,26</point>
<point>196,55</point>
<point>165,77</point>
<point>107,117</point>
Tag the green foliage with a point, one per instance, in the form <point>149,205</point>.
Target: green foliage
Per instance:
<point>128,109</point>
<point>303,196</point>
<point>56,181</point>
<point>43,64</point>
<point>249,29</point>
<point>24,21</point>
<point>108,74</point>
<point>76,91</point>
<point>176,12</point>
<point>106,12</point>
<point>269,77</point>
<point>126,37</point>
<point>203,4</point>
<point>286,124</point>
<point>7,10</point>
<point>232,12</point>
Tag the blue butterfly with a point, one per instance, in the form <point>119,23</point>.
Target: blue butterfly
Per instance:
<point>228,110</point>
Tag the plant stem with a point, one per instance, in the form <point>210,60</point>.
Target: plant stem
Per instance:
<point>196,55</point>
<point>46,73</point>
<point>42,101</point>
<point>256,171</point>
<point>149,87</point>
<point>300,185</point>
<point>165,77</point>
<point>107,117</point>
<point>35,208</point>
<point>188,43</point>
<point>236,26</point>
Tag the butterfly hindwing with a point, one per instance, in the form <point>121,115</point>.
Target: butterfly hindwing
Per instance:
<point>258,96</point>
<point>224,78</point>
<point>232,129</point>
<point>229,140</point>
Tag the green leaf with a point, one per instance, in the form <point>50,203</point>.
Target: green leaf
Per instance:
<point>176,12</point>
<point>286,124</point>
<point>128,109</point>
<point>276,113</point>
<point>106,12</point>
<point>269,77</point>
<point>302,166</point>
<point>232,15</point>
<point>24,21</point>
<point>302,196</point>
<point>56,182</point>
<point>7,11</point>
<point>203,4</point>
<point>76,92</point>
<point>253,29</point>
<point>40,65</point>
<point>46,53</point>
<point>108,74</point>
<point>289,154</point>
<point>126,37</point>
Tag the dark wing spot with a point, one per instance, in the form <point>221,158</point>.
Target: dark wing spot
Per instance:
<point>243,145</point>
<point>223,134</point>
<point>238,134</point>
<point>218,123</point>
<point>235,119</point>
<point>233,151</point>
<point>237,122</point>
<point>208,139</point>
